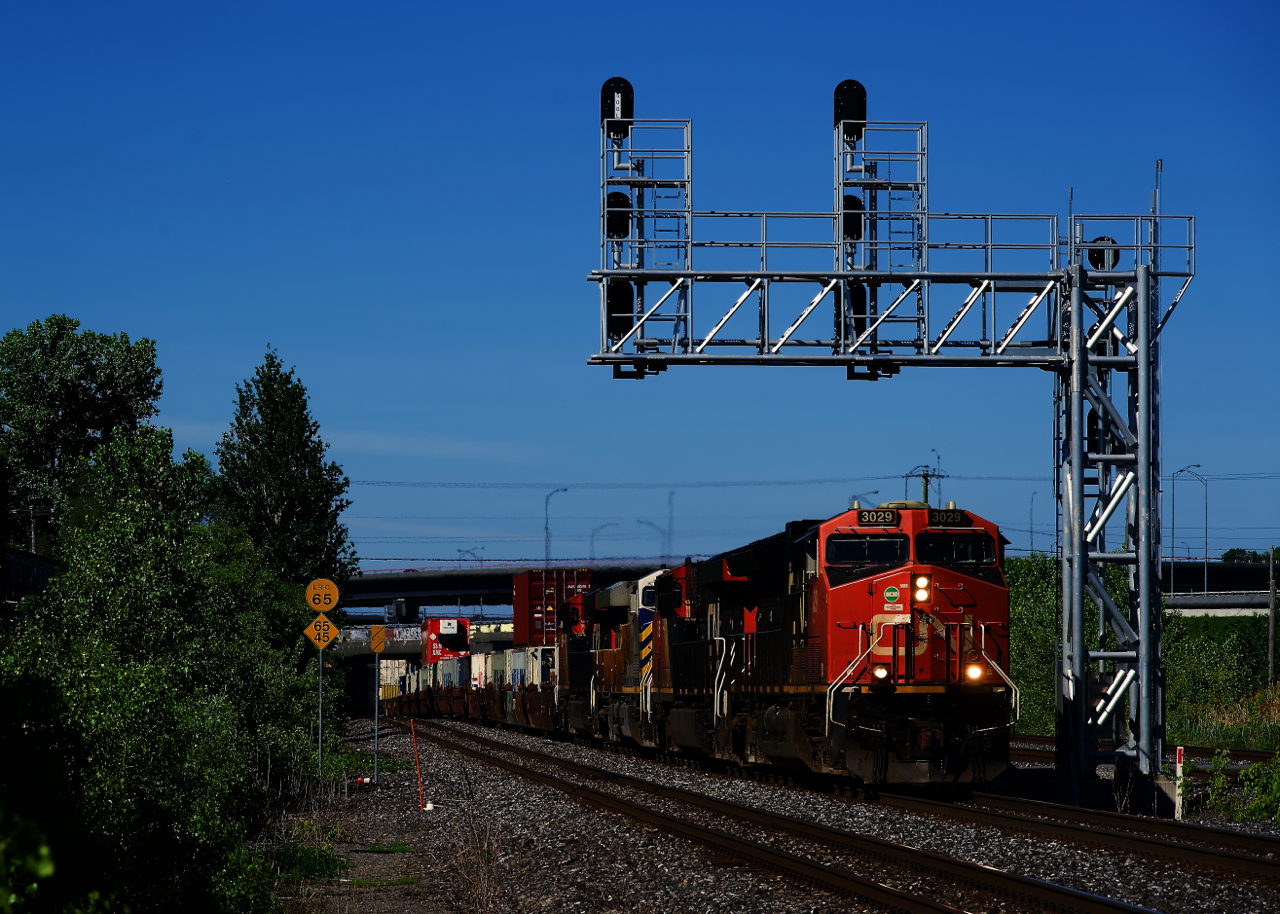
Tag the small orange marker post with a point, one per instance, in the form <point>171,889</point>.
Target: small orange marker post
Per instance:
<point>418,762</point>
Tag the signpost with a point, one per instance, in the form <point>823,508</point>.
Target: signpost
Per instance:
<point>322,594</point>
<point>378,642</point>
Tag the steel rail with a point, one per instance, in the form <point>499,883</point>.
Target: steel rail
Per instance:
<point>807,871</point>
<point>1048,756</point>
<point>1200,752</point>
<point>1260,845</point>
<point>986,877</point>
<point>1103,836</point>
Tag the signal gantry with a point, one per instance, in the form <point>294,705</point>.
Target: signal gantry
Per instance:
<point>897,285</point>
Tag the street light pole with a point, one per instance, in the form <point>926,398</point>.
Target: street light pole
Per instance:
<point>1173,521</point>
<point>857,496</point>
<point>662,534</point>
<point>594,531</point>
<point>546,523</point>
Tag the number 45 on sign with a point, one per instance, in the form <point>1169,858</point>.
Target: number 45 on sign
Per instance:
<point>321,631</point>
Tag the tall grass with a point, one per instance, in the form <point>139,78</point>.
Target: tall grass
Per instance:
<point>1249,722</point>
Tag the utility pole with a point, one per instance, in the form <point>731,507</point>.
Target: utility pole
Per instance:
<point>1271,620</point>
<point>926,473</point>
<point>1031,521</point>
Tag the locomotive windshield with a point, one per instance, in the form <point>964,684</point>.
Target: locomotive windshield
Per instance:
<point>955,549</point>
<point>858,555</point>
<point>970,552</point>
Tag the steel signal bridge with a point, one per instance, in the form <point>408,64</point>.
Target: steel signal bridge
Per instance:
<point>879,283</point>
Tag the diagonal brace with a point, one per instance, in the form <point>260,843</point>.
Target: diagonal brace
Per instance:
<point>1094,527</point>
<point>1024,317</point>
<point>1168,314</point>
<point>724,320</point>
<point>1110,318</point>
<point>1125,635</point>
<point>648,314</point>
<point>964,309</point>
<point>1099,399</point>
<point>915,284</point>
<point>807,311</point>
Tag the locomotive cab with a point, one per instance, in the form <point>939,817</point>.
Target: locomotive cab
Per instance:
<point>918,616</point>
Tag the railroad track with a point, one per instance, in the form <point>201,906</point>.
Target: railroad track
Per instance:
<point>1222,849</point>
<point>1232,852</point>
<point>1244,842</point>
<point>1197,753</point>
<point>1019,889</point>
<point>1034,755</point>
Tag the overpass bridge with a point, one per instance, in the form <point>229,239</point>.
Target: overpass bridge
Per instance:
<point>489,585</point>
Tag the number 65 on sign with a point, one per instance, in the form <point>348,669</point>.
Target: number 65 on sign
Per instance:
<point>322,594</point>
<point>321,631</point>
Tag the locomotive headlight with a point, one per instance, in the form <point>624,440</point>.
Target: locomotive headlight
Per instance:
<point>922,581</point>
<point>973,671</point>
<point>880,672</point>
<point>923,588</point>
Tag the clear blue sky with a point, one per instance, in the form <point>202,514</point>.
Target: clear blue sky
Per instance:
<point>402,198</point>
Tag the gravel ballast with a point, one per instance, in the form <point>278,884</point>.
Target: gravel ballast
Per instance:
<point>1152,883</point>
<point>549,853</point>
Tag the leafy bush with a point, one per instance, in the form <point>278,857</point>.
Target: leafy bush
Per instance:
<point>1260,784</point>
<point>164,678</point>
<point>1035,626</point>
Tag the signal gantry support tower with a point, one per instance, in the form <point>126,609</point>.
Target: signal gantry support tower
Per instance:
<point>876,264</point>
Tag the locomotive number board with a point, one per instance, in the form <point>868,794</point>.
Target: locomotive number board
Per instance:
<point>949,518</point>
<point>877,517</point>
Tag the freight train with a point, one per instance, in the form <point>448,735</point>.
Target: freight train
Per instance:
<point>874,644</point>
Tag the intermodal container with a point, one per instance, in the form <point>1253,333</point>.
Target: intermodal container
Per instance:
<point>534,599</point>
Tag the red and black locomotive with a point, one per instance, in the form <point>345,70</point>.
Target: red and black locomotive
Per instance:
<point>875,644</point>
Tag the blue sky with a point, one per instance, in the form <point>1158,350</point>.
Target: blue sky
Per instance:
<point>402,199</point>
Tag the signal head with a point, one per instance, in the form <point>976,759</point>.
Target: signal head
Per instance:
<point>852,220</point>
<point>620,302</point>
<point>617,217</point>
<point>1104,259</point>
<point>850,105</point>
<point>617,106</point>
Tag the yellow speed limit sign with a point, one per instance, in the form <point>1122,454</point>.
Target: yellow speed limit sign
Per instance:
<point>322,594</point>
<point>321,631</point>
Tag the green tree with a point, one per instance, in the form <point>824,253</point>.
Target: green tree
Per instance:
<point>62,392</point>
<point>274,481</point>
<point>1245,555</point>
<point>155,690</point>
<point>1035,628</point>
